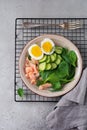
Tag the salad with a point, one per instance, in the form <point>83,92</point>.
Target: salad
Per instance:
<point>49,66</point>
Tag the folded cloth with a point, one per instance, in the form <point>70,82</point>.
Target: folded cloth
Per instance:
<point>70,113</point>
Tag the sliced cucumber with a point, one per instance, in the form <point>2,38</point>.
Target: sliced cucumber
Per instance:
<point>54,66</point>
<point>53,58</point>
<point>58,59</point>
<point>43,59</point>
<point>48,66</point>
<point>55,55</point>
<point>58,50</point>
<point>48,59</point>
<point>42,66</point>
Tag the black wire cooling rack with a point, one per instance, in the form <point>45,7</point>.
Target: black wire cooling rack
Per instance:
<point>23,35</point>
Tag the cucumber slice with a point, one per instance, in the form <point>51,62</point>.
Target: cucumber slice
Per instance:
<point>43,59</point>
<point>54,66</point>
<point>55,55</point>
<point>53,58</point>
<point>58,50</point>
<point>48,59</point>
<point>42,66</point>
<point>48,66</point>
<point>58,60</point>
<point>59,57</point>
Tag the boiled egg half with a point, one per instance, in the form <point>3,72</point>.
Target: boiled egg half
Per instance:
<point>35,52</point>
<point>47,46</point>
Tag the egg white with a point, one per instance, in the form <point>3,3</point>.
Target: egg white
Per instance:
<point>30,53</point>
<point>51,42</point>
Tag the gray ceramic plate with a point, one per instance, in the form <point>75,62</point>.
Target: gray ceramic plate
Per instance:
<point>61,41</point>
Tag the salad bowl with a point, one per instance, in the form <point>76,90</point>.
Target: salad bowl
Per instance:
<point>62,42</point>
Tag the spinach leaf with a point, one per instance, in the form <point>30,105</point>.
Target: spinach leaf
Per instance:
<point>71,72</point>
<point>20,92</point>
<point>45,74</point>
<point>69,56</point>
<point>53,77</point>
<point>39,82</point>
<point>65,57</point>
<point>65,80</point>
<point>64,51</point>
<point>56,86</point>
<point>63,70</point>
<point>72,57</point>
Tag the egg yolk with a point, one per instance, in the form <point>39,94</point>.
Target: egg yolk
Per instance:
<point>36,51</point>
<point>47,46</point>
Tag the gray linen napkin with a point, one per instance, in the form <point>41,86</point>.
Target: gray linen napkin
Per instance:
<point>70,113</point>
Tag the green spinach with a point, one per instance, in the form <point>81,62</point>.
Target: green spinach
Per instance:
<point>56,86</point>
<point>63,70</point>
<point>20,92</point>
<point>72,57</point>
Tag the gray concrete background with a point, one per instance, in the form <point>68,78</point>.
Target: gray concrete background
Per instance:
<point>26,116</point>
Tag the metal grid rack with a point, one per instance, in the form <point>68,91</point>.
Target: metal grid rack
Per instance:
<point>23,35</point>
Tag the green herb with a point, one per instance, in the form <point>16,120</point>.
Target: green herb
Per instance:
<point>20,92</point>
<point>65,80</point>
<point>63,69</point>
<point>65,55</point>
<point>39,82</point>
<point>45,74</point>
<point>56,86</point>
<point>64,51</point>
<point>71,72</point>
<point>72,57</point>
<point>52,78</point>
